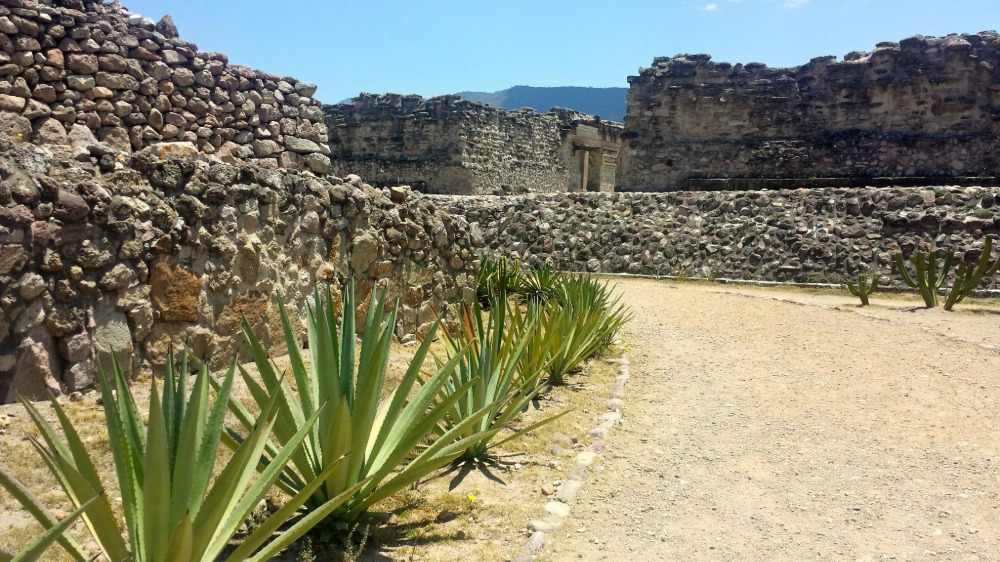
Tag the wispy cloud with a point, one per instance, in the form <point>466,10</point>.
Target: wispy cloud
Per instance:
<point>795,3</point>
<point>711,7</point>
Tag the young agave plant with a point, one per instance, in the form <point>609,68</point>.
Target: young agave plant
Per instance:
<point>489,353</point>
<point>583,320</point>
<point>540,284</point>
<point>170,511</point>
<point>496,276</point>
<point>388,445</point>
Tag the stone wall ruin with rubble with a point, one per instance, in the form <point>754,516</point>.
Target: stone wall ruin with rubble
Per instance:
<point>152,195</point>
<point>76,68</point>
<point>925,107</point>
<point>454,146</point>
<point>172,251</point>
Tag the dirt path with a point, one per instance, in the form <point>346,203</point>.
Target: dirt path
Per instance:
<point>763,429</point>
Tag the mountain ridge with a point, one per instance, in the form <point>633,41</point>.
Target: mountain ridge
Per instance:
<point>609,103</point>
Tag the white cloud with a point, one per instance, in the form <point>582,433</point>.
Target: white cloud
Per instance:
<point>712,7</point>
<point>795,3</point>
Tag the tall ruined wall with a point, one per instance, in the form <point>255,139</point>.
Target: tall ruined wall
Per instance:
<point>133,83</point>
<point>176,251</point>
<point>449,145</point>
<point>926,106</point>
<point>806,235</point>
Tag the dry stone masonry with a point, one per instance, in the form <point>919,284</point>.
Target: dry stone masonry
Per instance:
<point>806,235</point>
<point>75,68</point>
<point>925,107</point>
<point>453,146</point>
<point>168,251</point>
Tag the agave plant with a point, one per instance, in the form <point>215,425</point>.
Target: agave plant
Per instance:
<point>496,276</point>
<point>171,511</point>
<point>488,355</point>
<point>388,444</point>
<point>584,319</point>
<point>538,285</point>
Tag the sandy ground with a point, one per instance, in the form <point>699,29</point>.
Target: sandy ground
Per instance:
<point>766,424</point>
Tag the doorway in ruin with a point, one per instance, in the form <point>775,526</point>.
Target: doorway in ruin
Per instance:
<point>597,169</point>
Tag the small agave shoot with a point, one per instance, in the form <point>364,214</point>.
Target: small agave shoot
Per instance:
<point>388,444</point>
<point>864,287</point>
<point>928,276</point>
<point>171,511</point>
<point>488,354</point>
<point>496,276</point>
<point>538,285</point>
<point>968,276</point>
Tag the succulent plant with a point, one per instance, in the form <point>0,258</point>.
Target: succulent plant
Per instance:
<point>968,276</point>
<point>864,287</point>
<point>929,276</point>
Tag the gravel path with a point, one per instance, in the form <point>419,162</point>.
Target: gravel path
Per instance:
<point>796,429</point>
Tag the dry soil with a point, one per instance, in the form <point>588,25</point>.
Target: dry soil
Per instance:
<point>790,425</point>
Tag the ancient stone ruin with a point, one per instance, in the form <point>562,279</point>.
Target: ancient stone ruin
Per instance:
<point>108,251</point>
<point>453,146</point>
<point>152,194</point>
<point>926,107</point>
<point>75,68</point>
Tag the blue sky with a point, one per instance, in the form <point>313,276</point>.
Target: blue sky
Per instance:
<point>444,46</point>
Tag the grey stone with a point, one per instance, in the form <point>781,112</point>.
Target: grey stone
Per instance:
<point>31,286</point>
<point>82,63</point>
<point>51,131</point>
<point>364,251</point>
<point>36,373</point>
<point>301,146</point>
<point>112,336</point>
<point>12,103</point>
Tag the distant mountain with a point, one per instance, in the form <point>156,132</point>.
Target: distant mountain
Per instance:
<point>609,103</point>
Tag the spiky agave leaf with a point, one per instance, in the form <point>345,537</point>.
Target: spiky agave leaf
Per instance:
<point>584,320</point>
<point>34,550</point>
<point>383,443</point>
<point>489,353</point>
<point>171,511</point>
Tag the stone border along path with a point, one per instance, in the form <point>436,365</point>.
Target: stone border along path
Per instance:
<point>558,510</point>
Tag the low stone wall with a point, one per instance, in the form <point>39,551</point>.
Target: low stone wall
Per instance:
<point>157,252</point>
<point>808,235</point>
<point>101,70</point>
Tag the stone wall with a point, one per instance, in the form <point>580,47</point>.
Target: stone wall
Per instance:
<point>807,235</point>
<point>924,107</point>
<point>450,145</point>
<point>81,64</point>
<point>147,252</point>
